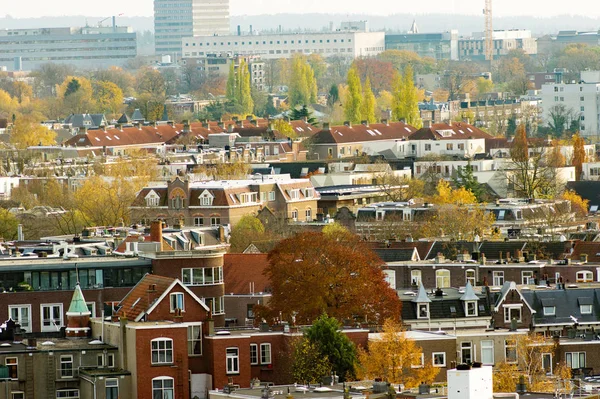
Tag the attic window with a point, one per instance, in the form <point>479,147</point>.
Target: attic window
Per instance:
<point>371,132</point>
<point>549,310</point>
<point>116,137</point>
<point>136,302</point>
<point>97,139</point>
<point>407,129</point>
<point>81,140</point>
<point>294,194</point>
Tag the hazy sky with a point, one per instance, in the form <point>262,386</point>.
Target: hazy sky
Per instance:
<point>543,8</point>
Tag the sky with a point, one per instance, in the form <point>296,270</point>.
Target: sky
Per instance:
<point>131,8</point>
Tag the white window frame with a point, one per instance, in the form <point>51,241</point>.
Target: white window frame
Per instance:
<point>585,309</point>
<point>584,276</point>
<point>232,360</point>
<point>473,279</point>
<point>510,344</point>
<point>174,301</point>
<point>433,355</point>
<point>164,389</point>
<point>110,360</point>
<point>569,356</point>
<point>546,354</point>
<point>65,360</point>
<point>165,350</point>
<point>111,383</point>
<point>474,313</point>
<point>15,364</point>
<point>213,306</point>
<point>52,325</point>
<point>497,275</point>
<point>308,214</point>
<point>67,393</point>
<point>416,277</point>
<point>17,395</point>
<point>253,354</point>
<point>19,311</point>
<point>550,310</point>
<point>441,280</point>
<point>390,278</point>
<point>527,274</point>
<point>198,221</point>
<point>271,195</point>
<point>507,311</point>
<point>214,220</point>
<point>265,353</point>
<point>487,345</point>
<point>192,338</point>
<point>466,345</point>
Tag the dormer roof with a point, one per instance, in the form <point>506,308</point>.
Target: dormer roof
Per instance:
<point>422,295</point>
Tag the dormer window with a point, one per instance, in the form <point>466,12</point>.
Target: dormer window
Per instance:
<point>206,198</point>
<point>294,194</point>
<point>549,310</point>
<point>309,193</point>
<point>152,199</point>
<point>471,308</point>
<point>422,311</point>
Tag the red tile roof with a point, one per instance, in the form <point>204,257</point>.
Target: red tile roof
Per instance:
<point>459,130</point>
<point>240,270</point>
<point>360,133</point>
<point>591,248</point>
<point>138,300</point>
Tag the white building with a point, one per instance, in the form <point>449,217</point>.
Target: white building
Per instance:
<point>86,48</point>
<point>581,98</point>
<point>475,383</point>
<point>344,43</point>
<point>176,20</point>
<point>7,184</point>
<point>504,41</point>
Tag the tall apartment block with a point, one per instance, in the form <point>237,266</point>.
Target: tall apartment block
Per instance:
<point>176,19</point>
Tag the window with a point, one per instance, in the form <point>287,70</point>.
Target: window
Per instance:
<point>295,215</point>
<point>549,310</point>
<point>194,339</point>
<point>66,366</point>
<point>466,352</point>
<point>233,360</point>
<point>206,200</point>
<point>21,314</point>
<point>67,393</point>
<point>442,278</point>
<point>202,276</point>
<point>199,221</point>
<point>163,388</point>
<point>585,309</point>
<point>112,388</point>
<point>415,277</point>
<point>162,351</point>
<point>575,360</point>
<point>250,311</point>
<point>294,194</point>
<point>449,147</point>
<point>177,301</point>
<point>308,214</point>
<point>18,395</point>
<point>512,312</point>
<point>487,352</point>
<point>427,147</point>
<point>265,353</point>
<point>547,362</point>
<point>439,359</point>
<point>253,354</point>
<point>12,364</point>
<point>584,276</point>
<point>498,277</point>
<point>527,277</point>
<point>471,308</point>
<point>52,317</point>
<point>271,195</point>
<point>215,221</point>
<point>390,278</point>
<point>110,360</point>
<point>470,277</point>
<point>216,305</point>
<point>510,350</point>
<point>422,310</point>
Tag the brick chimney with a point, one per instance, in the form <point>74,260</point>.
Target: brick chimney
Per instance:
<point>156,233</point>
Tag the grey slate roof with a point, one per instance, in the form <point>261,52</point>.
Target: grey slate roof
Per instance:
<point>137,116</point>
<point>469,294</point>
<point>567,303</point>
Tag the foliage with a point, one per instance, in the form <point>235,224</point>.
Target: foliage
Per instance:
<point>379,73</point>
<point>284,128</point>
<point>530,348</point>
<point>336,231</point>
<point>353,103</point>
<point>109,96</point>
<point>224,171</point>
<point>369,103</point>
<point>27,132</point>
<point>248,229</point>
<point>399,188</point>
<point>562,119</point>
<point>392,356</point>
<point>76,94</point>
<point>405,105</point>
<point>448,195</point>
<point>335,273</point>
<point>578,204</point>
<point>309,365</point>
<point>238,89</point>
<point>8,104</point>
<point>579,157</point>
<point>484,86</point>
<point>466,180</point>
<point>506,377</point>
<point>8,225</point>
<point>151,82</point>
<point>303,85</point>
<point>334,345</point>
<point>302,113</point>
<point>458,222</point>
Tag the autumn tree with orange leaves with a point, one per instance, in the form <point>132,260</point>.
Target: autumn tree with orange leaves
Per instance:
<point>314,273</point>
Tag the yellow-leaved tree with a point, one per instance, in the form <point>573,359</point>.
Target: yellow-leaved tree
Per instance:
<point>578,205</point>
<point>27,132</point>
<point>393,357</point>
<point>447,195</point>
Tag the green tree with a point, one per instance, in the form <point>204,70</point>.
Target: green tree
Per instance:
<point>353,103</point>
<point>334,345</point>
<point>309,365</point>
<point>230,91</point>
<point>245,88</point>
<point>248,229</point>
<point>369,103</point>
<point>8,225</point>
<point>397,97</point>
<point>409,99</point>
<point>109,96</point>
<point>303,86</point>
<point>465,179</point>
<point>301,113</point>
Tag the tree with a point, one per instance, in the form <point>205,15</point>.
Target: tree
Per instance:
<point>353,103</point>
<point>108,96</point>
<point>335,273</point>
<point>123,79</point>
<point>336,231</point>
<point>562,119</point>
<point>334,345</point>
<point>8,225</point>
<point>77,95</point>
<point>578,204</point>
<point>49,75</point>
<point>26,132</point>
<point>380,73</point>
<point>506,377</point>
<point>529,350</point>
<point>303,86</point>
<point>224,171</point>
<point>484,86</point>
<point>303,113</point>
<point>392,356</point>
<point>406,102</point>
<point>447,195</point>
<point>369,104</point>
<point>399,188</point>
<point>150,81</point>
<point>309,365</point>
<point>21,91</point>
<point>8,105</point>
<point>244,91</point>
<point>284,128</point>
<point>579,157</point>
<point>248,229</point>
<point>458,222</point>
<point>465,179</point>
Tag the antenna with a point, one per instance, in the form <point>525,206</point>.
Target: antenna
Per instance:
<point>489,31</point>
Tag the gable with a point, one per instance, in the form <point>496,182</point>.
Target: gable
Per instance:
<point>193,308</point>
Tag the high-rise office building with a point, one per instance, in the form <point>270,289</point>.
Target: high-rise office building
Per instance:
<point>176,19</point>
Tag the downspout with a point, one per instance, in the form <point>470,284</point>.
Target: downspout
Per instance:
<point>91,382</point>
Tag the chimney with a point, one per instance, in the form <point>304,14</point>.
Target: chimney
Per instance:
<point>222,234</point>
<point>78,316</point>
<point>365,123</point>
<point>482,259</point>
<point>230,128</point>
<point>249,118</point>
<point>385,122</point>
<point>427,124</point>
<point>348,123</point>
<point>123,343</point>
<point>221,124</point>
<point>440,258</point>
<point>584,257</point>
<point>156,233</point>
<point>326,126</point>
<point>254,122</point>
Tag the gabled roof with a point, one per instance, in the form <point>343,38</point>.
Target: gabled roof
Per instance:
<point>136,302</point>
<point>363,133</point>
<point>452,131</point>
<point>78,307</point>
<point>240,271</point>
<point>422,295</point>
<point>423,247</point>
<point>469,294</point>
<point>506,288</point>
<point>397,254</point>
<point>137,115</point>
<point>566,305</point>
<point>591,248</point>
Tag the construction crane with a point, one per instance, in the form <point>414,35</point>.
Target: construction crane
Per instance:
<point>113,20</point>
<point>489,31</point>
